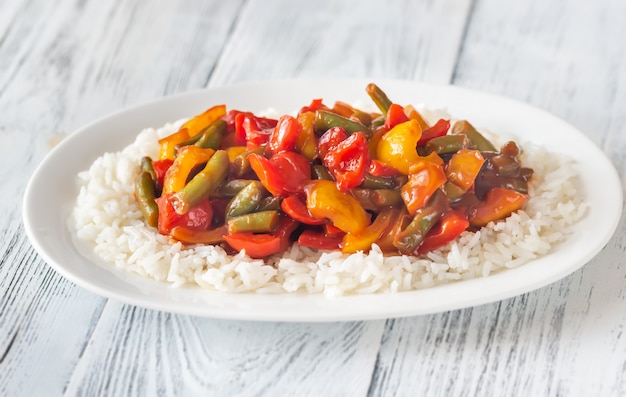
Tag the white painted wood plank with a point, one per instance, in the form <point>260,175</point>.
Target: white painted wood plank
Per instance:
<point>163,354</point>
<point>68,62</point>
<point>329,39</point>
<point>565,339</point>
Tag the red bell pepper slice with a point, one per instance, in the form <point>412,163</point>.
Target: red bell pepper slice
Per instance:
<point>256,245</point>
<point>451,225</point>
<point>160,168</point>
<point>264,244</point>
<point>285,135</point>
<point>440,128</point>
<point>331,229</point>
<point>395,115</point>
<point>295,208</point>
<point>199,217</point>
<point>251,130</point>
<point>378,168</point>
<point>283,174</point>
<point>348,161</point>
<point>330,139</point>
<point>320,240</point>
<point>316,104</point>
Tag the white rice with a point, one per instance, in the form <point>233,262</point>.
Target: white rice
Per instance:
<point>107,216</point>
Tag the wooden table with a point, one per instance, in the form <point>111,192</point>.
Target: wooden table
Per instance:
<point>64,63</point>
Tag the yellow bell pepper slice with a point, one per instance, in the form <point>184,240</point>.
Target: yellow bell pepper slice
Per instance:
<point>234,151</point>
<point>362,241</point>
<point>325,200</point>
<point>306,144</point>
<point>187,159</point>
<point>398,147</point>
<point>204,119</point>
<point>167,145</point>
<point>193,126</point>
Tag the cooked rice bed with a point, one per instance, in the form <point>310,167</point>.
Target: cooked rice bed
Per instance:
<point>107,216</point>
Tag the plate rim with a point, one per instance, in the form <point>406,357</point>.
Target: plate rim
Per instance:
<point>52,261</point>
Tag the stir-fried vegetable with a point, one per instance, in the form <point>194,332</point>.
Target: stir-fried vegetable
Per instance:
<point>329,178</point>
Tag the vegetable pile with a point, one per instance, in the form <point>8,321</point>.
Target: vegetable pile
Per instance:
<point>335,178</point>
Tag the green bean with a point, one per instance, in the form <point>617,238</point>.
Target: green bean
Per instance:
<point>325,120</point>
<point>241,165</point>
<point>145,195</point>
<point>217,125</point>
<point>146,166</point>
<point>364,197</point>
<point>364,117</point>
<point>409,239</point>
<point>229,188</point>
<point>477,140</point>
<point>377,199</point>
<point>513,183</point>
<point>255,222</point>
<point>379,182</point>
<point>379,97</point>
<point>505,165</point>
<point>269,203</point>
<point>203,184</point>
<point>447,144</point>
<point>246,200</point>
<point>321,172</point>
<point>211,137</point>
<point>387,197</point>
<point>377,122</point>
<point>452,191</point>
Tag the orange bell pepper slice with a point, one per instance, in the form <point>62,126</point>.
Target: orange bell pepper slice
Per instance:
<point>498,204</point>
<point>425,178</point>
<point>413,114</point>
<point>464,166</point>
<point>362,241</point>
<point>193,236</point>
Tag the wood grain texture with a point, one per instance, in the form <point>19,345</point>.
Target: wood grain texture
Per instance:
<point>331,39</point>
<point>565,339</point>
<point>165,354</point>
<point>64,64</point>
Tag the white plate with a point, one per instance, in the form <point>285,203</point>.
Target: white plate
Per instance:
<point>52,191</point>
